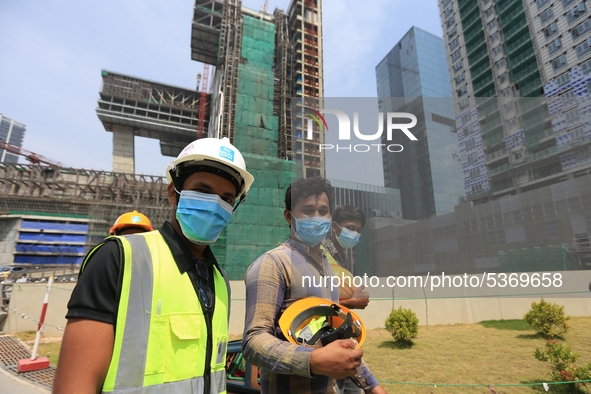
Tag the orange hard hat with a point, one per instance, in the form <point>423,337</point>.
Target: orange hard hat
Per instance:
<point>337,322</point>
<point>131,219</point>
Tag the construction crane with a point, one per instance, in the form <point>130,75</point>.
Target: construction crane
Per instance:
<point>32,157</point>
<point>202,101</point>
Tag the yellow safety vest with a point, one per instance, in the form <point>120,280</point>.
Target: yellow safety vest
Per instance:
<point>161,333</point>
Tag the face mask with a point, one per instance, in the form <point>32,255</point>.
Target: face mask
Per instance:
<point>202,216</point>
<point>348,238</point>
<point>311,231</point>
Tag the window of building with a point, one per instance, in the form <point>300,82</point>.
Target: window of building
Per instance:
<point>452,31</point>
<point>460,78</point>
<point>558,63</point>
<point>576,12</point>
<point>471,144</point>
<point>541,3</point>
<point>495,37</point>
<point>454,43</point>
<point>464,103</point>
<point>509,107</point>
<point>547,15</point>
<point>458,66</point>
<point>563,79</point>
<point>503,78</point>
<point>506,92</point>
<point>491,24</point>
<point>500,64</point>
<point>445,2</point>
<point>580,30</point>
<point>554,46</point>
<point>462,91</point>
<point>584,48</point>
<point>517,155</point>
<point>448,11</point>
<point>456,55</point>
<point>489,12</point>
<point>512,122</point>
<point>568,98</point>
<point>450,21</point>
<point>496,50</point>
<point>586,67</point>
<point>550,30</point>
<point>572,116</point>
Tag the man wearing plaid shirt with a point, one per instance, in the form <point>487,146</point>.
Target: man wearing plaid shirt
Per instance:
<point>274,282</point>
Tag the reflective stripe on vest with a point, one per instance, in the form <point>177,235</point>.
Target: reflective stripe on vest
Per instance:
<point>161,335</point>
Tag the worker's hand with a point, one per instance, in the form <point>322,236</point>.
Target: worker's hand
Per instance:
<point>337,359</point>
<point>359,299</point>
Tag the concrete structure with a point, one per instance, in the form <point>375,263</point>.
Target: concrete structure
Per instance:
<point>499,50</point>
<point>11,132</point>
<point>130,107</point>
<point>463,307</point>
<point>412,78</point>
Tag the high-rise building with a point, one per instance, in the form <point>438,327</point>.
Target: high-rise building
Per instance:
<point>262,61</point>
<point>520,71</point>
<point>11,132</point>
<point>413,78</point>
<point>305,35</point>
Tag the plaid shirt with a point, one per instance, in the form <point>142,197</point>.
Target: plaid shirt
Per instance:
<point>273,283</point>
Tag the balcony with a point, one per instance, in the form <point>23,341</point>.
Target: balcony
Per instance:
<point>495,155</point>
<point>499,170</point>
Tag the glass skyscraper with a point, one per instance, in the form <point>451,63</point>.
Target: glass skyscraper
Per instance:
<point>13,133</point>
<point>414,78</point>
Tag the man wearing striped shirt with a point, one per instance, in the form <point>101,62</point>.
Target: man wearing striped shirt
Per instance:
<point>275,280</point>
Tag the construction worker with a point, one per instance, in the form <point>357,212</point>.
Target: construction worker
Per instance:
<point>131,223</point>
<point>275,281</point>
<point>150,311</point>
<point>347,223</point>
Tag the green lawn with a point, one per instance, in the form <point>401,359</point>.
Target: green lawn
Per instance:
<point>491,352</point>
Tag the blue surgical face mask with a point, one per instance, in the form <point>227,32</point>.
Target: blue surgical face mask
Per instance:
<point>311,231</point>
<point>202,216</point>
<point>348,238</point>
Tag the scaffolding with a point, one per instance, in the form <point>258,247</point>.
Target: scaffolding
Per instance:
<point>283,84</point>
<point>228,62</point>
<point>100,196</point>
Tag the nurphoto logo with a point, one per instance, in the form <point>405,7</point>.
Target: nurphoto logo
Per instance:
<point>393,120</point>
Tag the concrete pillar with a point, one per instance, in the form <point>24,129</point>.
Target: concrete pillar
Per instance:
<point>123,149</point>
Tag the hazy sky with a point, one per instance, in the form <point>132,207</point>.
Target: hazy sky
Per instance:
<point>53,52</point>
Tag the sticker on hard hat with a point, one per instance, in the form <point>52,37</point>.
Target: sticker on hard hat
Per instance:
<point>136,219</point>
<point>227,153</point>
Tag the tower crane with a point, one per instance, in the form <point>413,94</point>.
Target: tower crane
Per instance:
<point>32,157</point>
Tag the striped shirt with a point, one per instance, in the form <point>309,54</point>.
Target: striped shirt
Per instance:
<point>273,282</point>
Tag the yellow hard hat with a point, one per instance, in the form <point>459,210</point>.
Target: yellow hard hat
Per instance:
<point>329,321</point>
<point>347,287</point>
<point>131,219</point>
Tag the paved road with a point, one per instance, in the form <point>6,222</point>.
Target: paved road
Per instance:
<point>11,384</point>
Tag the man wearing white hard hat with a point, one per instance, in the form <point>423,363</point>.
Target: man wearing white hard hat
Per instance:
<point>150,311</point>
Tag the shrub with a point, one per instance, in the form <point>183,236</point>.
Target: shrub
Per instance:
<point>562,368</point>
<point>548,319</point>
<point>402,324</point>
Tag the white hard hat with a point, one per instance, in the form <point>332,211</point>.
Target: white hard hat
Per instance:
<point>209,153</point>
